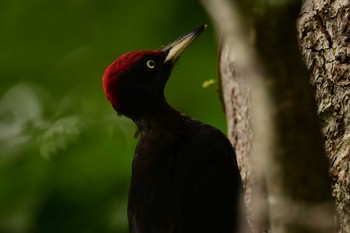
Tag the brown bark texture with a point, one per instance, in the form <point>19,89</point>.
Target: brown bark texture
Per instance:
<point>324,33</point>
<point>272,117</point>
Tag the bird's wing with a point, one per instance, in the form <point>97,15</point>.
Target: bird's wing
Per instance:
<point>212,185</point>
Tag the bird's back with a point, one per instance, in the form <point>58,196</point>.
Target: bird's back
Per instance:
<point>184,180</point>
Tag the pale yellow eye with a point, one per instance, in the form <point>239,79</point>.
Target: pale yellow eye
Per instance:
<point>151,64</point>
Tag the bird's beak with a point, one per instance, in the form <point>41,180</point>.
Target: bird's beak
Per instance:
<point>175,49</point>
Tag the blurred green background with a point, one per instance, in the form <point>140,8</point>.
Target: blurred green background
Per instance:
<point>65,156</point>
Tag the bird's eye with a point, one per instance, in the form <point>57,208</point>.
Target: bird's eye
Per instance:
<point>151,64</point>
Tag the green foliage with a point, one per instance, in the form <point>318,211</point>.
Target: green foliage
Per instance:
<point>65,156</point>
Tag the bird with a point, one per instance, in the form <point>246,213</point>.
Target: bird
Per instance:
<point>185,177</point>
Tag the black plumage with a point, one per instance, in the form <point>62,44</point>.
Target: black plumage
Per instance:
<point>185,177</point>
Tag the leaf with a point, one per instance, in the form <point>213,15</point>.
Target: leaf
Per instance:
<point>208,83</point>
<point>59,135</point>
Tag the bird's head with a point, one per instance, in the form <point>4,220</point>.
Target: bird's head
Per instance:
<point>134,82</point>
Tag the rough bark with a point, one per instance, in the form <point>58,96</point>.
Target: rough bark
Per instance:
<point>271,114</point>
<point>324,33</point>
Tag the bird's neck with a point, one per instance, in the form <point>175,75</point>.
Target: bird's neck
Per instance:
<point>160,118</point>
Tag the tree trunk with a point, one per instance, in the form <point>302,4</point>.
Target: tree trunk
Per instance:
<point>324,33</point>
<point>271,114</point>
